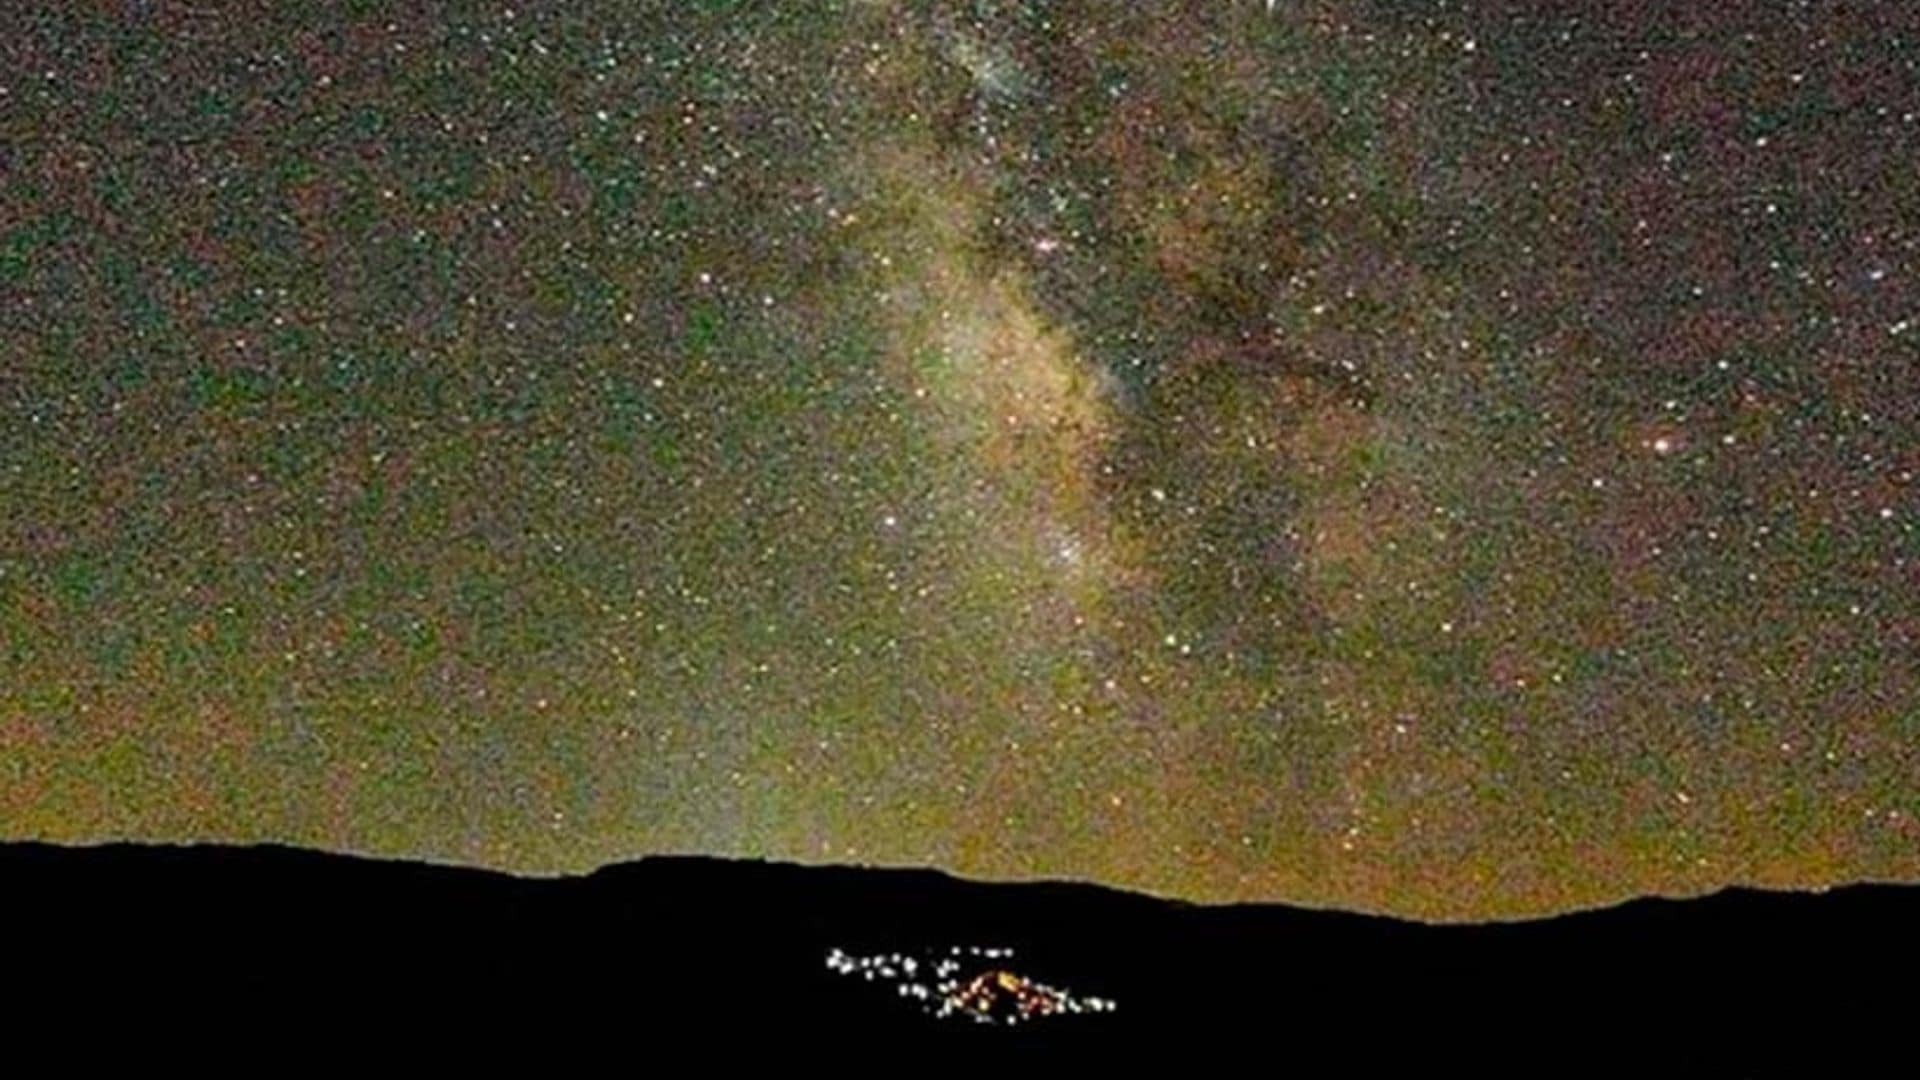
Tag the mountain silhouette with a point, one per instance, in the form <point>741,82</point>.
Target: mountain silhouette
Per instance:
<point>684,944</point>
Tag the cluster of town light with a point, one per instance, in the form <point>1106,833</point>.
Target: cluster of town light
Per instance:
<point>957,984</point>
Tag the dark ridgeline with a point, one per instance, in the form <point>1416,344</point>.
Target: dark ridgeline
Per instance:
<point>672,946</point>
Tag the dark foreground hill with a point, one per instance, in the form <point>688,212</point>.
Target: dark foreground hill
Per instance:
<point>679,946</point>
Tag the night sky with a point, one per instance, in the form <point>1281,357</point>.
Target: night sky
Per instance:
<point>1442,459</point>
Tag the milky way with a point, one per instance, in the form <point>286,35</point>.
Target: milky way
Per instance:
<point>1452,463</point>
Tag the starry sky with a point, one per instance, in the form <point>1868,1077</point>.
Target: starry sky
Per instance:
<point>1440,459</point>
